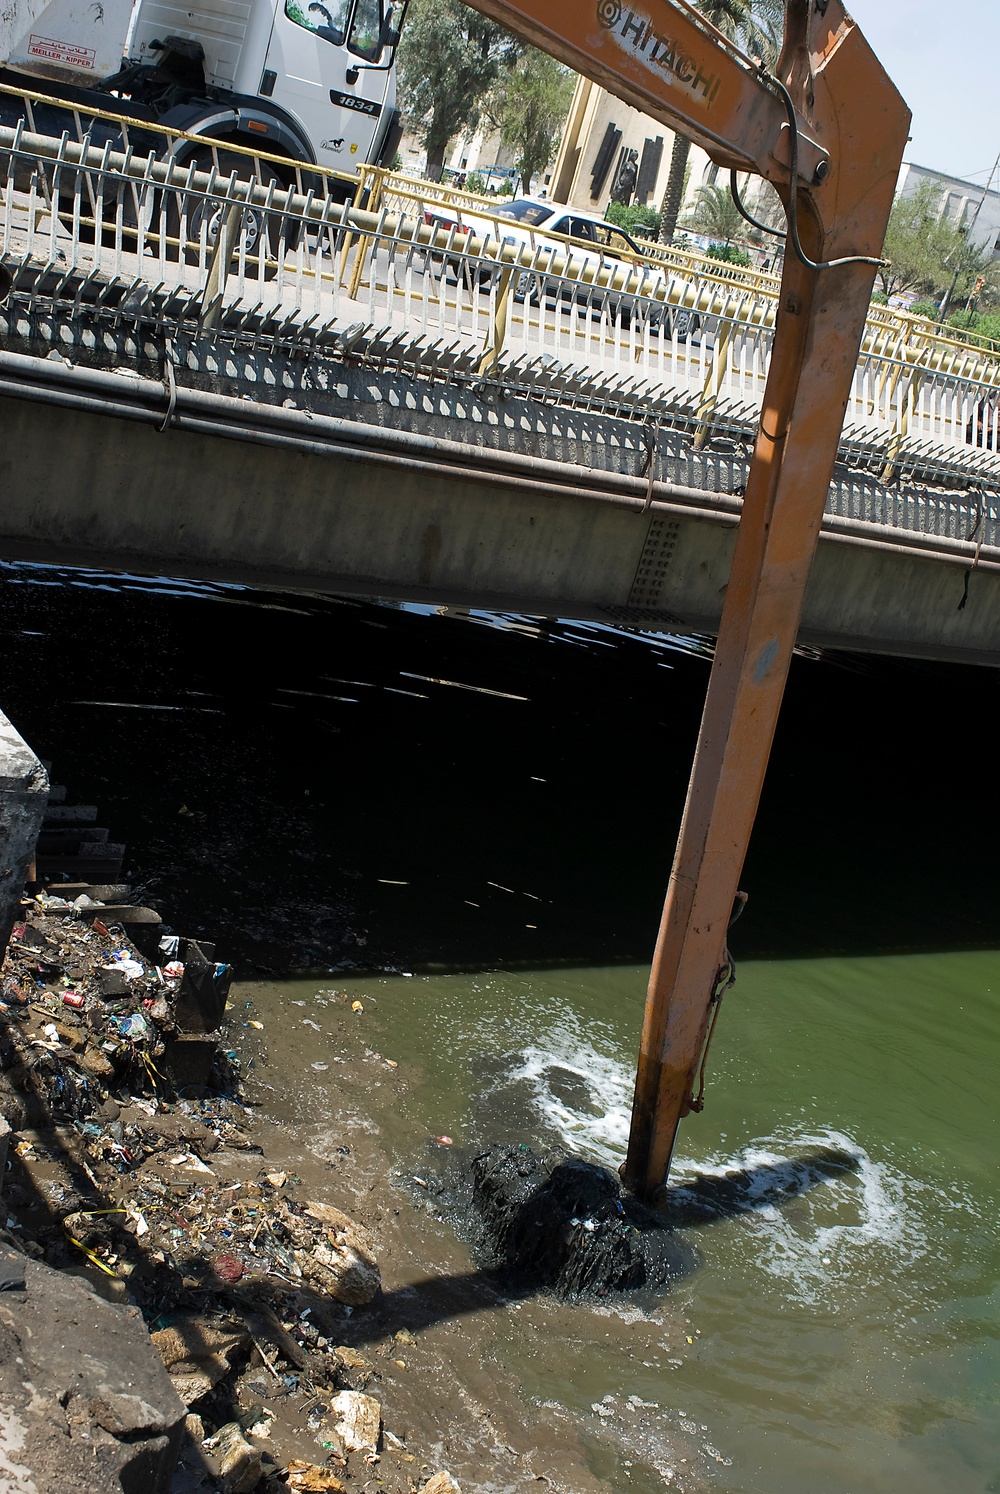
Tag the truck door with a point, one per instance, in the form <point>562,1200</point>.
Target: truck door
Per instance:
<point>331,74</point>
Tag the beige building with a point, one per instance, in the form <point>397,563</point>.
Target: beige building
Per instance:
<point>599,131</point>
<point>964,204</point>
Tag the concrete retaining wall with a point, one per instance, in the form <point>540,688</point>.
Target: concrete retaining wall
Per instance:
<point>24,791</point>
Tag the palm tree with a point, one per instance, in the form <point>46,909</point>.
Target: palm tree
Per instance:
<point>717,215</point>
<point>755,25</point>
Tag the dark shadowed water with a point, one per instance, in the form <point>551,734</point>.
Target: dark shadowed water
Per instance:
<point>467,823</point>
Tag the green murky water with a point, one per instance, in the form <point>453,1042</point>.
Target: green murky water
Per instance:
<point>492,809</point>
<point>845,1337</point>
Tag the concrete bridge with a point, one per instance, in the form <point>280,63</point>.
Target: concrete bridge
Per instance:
<point>159,418</point>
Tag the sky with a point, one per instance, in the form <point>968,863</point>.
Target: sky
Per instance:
<point>944,62</point>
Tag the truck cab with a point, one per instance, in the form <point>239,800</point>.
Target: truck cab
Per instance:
<point>318,74</point>
<point>305,79</point>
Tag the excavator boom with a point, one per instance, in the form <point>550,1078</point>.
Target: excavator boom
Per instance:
<point>830,110</point>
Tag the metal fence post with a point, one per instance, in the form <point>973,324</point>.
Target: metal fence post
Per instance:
<point>498,330</point>
<point>218,270</point>
<point>361,252</point>
<point>713,378</point>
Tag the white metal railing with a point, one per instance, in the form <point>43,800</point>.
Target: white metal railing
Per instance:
<point>248,234</point>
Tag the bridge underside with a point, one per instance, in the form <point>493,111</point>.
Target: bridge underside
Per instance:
<point>337,475</point>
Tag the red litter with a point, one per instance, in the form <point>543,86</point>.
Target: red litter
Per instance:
<point>74,999</point>
<point>228,1268</point>
<point>443,1140</point>
<point>102,928</point>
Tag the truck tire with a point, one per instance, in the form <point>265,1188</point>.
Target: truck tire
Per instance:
<point>255,233</point>
<point>87,232</point>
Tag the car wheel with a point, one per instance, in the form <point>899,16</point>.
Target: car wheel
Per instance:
<point>686,323</point>
<point>527,287</point>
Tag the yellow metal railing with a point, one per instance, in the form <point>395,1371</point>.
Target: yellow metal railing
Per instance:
<point>318,257</point>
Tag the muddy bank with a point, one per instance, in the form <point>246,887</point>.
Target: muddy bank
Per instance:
<point>160,1195</point>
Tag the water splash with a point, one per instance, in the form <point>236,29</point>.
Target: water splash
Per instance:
<point>819,1216</point>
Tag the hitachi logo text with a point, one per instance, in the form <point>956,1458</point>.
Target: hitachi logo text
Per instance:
<point>638,35</point>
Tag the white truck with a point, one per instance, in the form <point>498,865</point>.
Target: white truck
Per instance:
<point>310,81</point>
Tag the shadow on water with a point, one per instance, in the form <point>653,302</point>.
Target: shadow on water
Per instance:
<point>338,784</point>
<point>712,1196</point>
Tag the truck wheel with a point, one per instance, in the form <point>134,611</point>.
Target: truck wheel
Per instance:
<point>257,235</point>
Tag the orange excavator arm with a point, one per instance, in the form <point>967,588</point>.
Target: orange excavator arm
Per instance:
<point>828,129</point>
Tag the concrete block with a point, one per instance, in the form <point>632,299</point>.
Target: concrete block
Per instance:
<point>189,1059</point>
<point>4,1149</point>
<point>60,838</point>
<point>70,1363</point>
<point>73,814</point>
<point>24,788</point>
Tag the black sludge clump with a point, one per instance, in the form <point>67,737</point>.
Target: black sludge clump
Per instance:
<point>570,1228</point>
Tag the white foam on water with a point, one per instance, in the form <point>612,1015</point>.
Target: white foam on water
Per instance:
<point>812,1229</point>
<point>821,1234</point>
<point>598,1131</point>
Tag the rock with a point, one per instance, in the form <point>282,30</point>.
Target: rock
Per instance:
<point>345,1264</point>
<point>24,788</point>
<point>307,1478</point>
<point>239,1461</point>
<point>177,1128</point>
<point>196,1351</point>
<point>261,1323</point>
<point>441,1483</point>
<point>4,1148</point>
<point>71,1036</point>
<point>112,983</point>
<point>97,1063</point>
<point>359,1420</point>
<point>73,1364</point>
<point>13,1107</point>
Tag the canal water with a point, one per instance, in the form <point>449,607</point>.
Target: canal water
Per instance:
<point>465,824</point>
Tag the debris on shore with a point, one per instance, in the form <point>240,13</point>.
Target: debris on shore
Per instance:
<point>131,1163</point>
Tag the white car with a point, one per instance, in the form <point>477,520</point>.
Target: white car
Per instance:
<point>543,228</point>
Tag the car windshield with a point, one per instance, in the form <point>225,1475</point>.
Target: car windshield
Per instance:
<point>614,239</point>
<point>532,213</point>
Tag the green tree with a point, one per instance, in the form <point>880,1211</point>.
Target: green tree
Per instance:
<point>716,215</point>
<point>728,254</point>
<point>528,104</point>
<point>449,58</point>
<point>637,219</point>
<point>928,252</point>
<point>753,24</point>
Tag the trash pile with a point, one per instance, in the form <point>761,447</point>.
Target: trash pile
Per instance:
<point>94,1015</point>
<point>131,1161</point>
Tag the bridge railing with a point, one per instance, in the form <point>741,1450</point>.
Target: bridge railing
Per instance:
<point>386,186</point>
<point>101,217</point>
